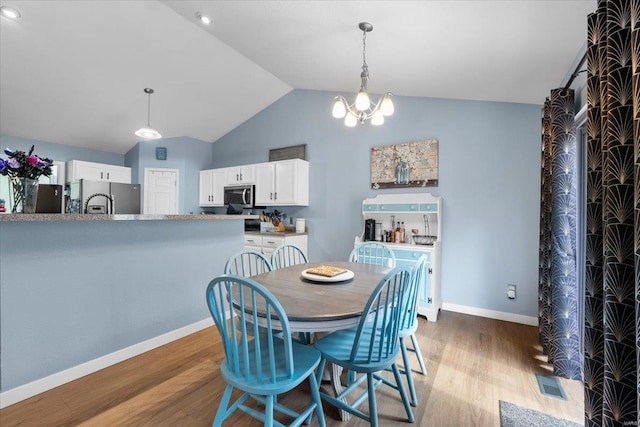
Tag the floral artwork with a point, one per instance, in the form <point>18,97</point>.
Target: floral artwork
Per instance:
<point>405,165</point>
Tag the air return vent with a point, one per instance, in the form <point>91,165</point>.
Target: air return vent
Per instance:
<point>550,386</point>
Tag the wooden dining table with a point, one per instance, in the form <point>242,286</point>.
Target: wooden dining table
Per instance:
<point>320,306</point>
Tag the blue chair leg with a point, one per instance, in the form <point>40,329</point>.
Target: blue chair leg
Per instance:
<point>403,393</point>
<point>408,373</point>
<point>221,415</point>
<point>315,393</point>
<point>268,412</point>
<point>416,348</point>
<point>373,406</point>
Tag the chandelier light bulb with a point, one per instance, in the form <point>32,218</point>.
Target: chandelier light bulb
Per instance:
<point>350,120</point>
<point>339,109</point>
<point>9,12</point>
<point>378,118</point>
<point>362,101</point>
<point>387,106</point>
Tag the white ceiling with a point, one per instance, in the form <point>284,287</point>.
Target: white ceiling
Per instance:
<point>73,72</point>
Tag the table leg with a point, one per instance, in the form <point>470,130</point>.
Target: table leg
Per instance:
<point>336,373</point>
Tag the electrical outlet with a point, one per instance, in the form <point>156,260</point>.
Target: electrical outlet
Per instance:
<point>511,291</point>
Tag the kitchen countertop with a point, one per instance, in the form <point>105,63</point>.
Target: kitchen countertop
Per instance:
<point>276,233</point>
<point>103,217</point>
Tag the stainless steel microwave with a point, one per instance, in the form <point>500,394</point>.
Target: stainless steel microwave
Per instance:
<point>243,195</point>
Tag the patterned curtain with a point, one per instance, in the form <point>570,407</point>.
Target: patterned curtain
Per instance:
<point>558,289</point>
<point>612,296</point>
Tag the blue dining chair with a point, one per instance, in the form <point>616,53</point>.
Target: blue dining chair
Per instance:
<point>287,255</point>
<point>409,325</point>
<point>373,253</point>
<point>370,347</point>
<point>257,362</point>
<point>247,263</point>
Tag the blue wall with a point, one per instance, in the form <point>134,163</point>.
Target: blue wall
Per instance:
<point>188,155</point>
<point>489,166</point>
<point>74,291</point>
<point>59,152</point>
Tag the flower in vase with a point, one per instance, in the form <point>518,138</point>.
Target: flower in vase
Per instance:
<point>24,165</point>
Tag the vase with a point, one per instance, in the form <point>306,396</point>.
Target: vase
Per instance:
<point>25,194</point>
<point>402,173</point>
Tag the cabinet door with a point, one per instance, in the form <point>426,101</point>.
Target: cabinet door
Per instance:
<point>285,183</point>
<point>240,175</point>
<point>218,181</point>
<point>88,170</point>
<point>424,294</point>
<point>206,189</point>
<point>265,185</point>
<point>117,174</point>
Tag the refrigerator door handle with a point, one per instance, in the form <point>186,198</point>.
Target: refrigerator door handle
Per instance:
<point>113,204</point>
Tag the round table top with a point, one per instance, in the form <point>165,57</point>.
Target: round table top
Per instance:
<point>306,302</point>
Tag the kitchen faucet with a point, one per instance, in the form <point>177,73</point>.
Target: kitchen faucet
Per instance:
<point>109,198</point>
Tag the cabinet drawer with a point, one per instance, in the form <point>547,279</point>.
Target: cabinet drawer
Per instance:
<point>428,207</point>
<point>271,242</point>
<point>403,254</point>
<point>399,207</point>
<point>252,240</point>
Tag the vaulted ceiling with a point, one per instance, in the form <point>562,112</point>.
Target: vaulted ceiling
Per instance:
<point>73,72</point>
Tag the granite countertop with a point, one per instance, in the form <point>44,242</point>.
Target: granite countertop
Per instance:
<point>103,217</point>
<point>277,233</point>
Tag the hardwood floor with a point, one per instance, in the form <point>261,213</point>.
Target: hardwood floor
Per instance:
<point>472,363</point>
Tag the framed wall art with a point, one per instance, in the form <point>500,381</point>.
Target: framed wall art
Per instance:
<point>405,165</point>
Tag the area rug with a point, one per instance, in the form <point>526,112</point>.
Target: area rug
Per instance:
<point>514,416</point>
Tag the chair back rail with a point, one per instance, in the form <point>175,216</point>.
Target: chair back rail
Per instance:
<point>287,255</point>
<point>235,304</point>
<point>377,332</point>
<point>247,263</point>
<point>373,253</point>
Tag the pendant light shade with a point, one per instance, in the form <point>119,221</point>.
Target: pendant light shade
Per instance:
<point>147,132</point>
<point>363,109</point>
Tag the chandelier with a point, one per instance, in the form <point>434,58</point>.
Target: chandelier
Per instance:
<point>363,108</point>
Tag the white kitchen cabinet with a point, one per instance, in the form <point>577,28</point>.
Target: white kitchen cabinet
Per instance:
<point>266,243</point>
<point>77,169</point>
<point>211,189</point>
<point>282,183</point>
<point>423,212</point>
<point>240,175</point>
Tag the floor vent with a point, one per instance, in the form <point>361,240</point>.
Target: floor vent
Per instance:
<point>550,386</point>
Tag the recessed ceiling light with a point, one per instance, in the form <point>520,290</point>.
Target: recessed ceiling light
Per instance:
<point>9,12</point>
<point>203,18</point>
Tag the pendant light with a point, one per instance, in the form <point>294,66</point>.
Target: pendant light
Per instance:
<point>363,109</point>
<point>148,132</point>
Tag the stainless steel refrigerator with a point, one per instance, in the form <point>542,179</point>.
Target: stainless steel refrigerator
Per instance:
<point>88,196</point>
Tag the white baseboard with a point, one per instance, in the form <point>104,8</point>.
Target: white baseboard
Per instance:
<point>491,314</point>
<point>33,388</point>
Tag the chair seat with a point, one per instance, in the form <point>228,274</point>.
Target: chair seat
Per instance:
<point>306,360</point>
<point>337,346</point>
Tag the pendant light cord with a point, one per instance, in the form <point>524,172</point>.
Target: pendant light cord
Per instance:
<point>149,112</point>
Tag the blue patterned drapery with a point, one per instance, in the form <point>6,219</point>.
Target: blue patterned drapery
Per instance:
<point>558,289</point>
<point>612,295</point>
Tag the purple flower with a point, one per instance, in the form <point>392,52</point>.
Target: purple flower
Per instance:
<point>3,164</point>
<point>14,164</point>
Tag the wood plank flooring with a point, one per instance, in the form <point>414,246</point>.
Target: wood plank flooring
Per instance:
<point>472,363</point>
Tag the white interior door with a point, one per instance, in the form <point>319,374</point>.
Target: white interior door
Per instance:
<point>161,191</point>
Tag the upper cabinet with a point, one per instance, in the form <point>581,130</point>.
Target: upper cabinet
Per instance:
<point>77,169</point>
<point>240,175</point>
<point>212,184</point>
<point>282,183</point>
